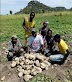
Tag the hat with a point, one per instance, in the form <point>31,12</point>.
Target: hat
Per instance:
<point>14,36</point>
<point>45,22</point>
<point>34,30</point>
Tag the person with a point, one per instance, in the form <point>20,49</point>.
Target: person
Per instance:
<point>63,50</point>
<point>49,43</point>
<point>49,40</point>
<point>35,42</point>
<point>14,48</point>
<point>28,24</point>
<point>43,30</point>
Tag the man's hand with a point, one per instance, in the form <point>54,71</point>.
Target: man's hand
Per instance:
<point>25,28</point>
<point>11,50</point>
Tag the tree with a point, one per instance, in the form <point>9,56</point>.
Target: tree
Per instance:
<point>11,12</point>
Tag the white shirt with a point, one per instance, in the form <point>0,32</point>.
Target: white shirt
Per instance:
<point>35,42</point>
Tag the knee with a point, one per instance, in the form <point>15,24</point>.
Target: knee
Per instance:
<point>10,56</point>
<point>21,50</point>
<point>51,58</point>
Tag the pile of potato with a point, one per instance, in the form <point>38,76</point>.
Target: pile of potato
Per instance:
<point>30,64</point>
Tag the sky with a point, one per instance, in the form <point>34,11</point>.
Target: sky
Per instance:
<point>16,5</point>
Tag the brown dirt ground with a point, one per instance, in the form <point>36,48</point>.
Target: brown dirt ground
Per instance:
<point>57,72</point>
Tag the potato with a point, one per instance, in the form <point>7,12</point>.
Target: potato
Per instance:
<point>27,77</point>
<point>37,63</point>
<point>43,66</point>
<point>13,64</point>
<point>20,74</point>
<point>27,72</point>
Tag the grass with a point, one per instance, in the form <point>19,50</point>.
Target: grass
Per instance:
<point>59,22</point>
<point>41,78</point>
<point>12,24</point>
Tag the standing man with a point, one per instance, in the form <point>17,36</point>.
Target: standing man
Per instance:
<point>43,30</point>
<point>28,24</point>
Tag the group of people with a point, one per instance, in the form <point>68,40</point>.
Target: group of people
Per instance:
<point>39,42</point>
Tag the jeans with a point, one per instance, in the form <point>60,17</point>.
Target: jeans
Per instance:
<point>57,57</point>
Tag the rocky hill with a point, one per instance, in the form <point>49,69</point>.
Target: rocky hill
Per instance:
<point>38,7</point>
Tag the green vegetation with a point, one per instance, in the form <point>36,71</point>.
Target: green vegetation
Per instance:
<point>41,78</point>
<point>38,7</point>
<point>59,22</point>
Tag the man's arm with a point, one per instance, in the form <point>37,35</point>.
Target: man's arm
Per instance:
<point>10,48</point>
<point>42,43</point>
<point>67,52</point>
<point>29,44</point>
<point>19,45</point>
<point>30,29</point>
<point>24,26</point>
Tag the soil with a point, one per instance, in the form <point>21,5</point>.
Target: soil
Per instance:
<point>57,72</point>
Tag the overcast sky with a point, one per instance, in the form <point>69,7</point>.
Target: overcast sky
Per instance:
<point>16,5</point>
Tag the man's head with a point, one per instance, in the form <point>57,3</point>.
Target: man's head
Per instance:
<point>34,32</point>
<point>14,39</point>
<point>45,24</point>
<point>49,33</point>
<point>32,15</point>
<point>57,38</point>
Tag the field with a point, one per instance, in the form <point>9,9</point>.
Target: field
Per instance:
<point>59,22</point>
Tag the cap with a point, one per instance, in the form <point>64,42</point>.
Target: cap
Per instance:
<point>34,30</point>
<point>45,22</point>
<point>14,36</point>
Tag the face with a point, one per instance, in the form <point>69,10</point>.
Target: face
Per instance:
<point>49,33</point>
<point>32,15</point>
<point>45,25</point>
<point>14,40</point>
<point>57,40</point>
<point>34,34</point>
